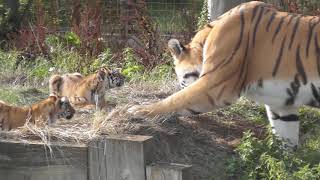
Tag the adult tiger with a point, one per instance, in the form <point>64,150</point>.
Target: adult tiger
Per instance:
<point>253,50</point>
<point>44,112</point>
<point>86,92</point>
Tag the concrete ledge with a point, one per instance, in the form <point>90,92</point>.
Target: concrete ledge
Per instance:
<point>169,171</point>
<point>118,157</point>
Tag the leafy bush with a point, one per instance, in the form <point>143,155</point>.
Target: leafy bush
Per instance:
<point>203,19</point>
<point>72,39</point>
<point>266,159</point>
<point>40,71</point>
<point>131,66</point>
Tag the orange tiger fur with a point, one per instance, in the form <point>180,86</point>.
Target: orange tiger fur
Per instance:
<point>86,92</point>
<point>45,111</point>
<point>253,50</point>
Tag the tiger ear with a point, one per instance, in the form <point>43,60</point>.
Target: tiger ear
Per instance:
<point>101,75</point>
<point>53,96</point>
<point>175,47</point>
<point>105,69</point>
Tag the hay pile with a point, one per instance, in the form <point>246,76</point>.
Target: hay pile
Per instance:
<point>205,141</point>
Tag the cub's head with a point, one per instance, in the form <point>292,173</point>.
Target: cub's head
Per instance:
<point>113,78</point>
<point>187,61</point>
<point>63,108</point>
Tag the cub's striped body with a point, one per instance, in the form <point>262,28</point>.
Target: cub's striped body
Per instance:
<point>44,112</point>
<point>253,50</point>
<point>86,92</point>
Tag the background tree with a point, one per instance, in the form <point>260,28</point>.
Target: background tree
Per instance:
<point>218,7</point>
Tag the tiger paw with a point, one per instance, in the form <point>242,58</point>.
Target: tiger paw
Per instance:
<point>140,111</point>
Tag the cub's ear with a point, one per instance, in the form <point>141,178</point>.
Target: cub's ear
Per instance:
<point>101,75</point>
<point>175,47</point>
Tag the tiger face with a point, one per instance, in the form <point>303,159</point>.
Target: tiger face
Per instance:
<point>114,79</point>
<point>187,61</point>
<point>64,108</point>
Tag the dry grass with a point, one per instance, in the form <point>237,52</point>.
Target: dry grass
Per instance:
<point>86,125</point>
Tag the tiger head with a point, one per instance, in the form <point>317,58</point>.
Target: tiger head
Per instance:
<point>187,61</point>
<point>63,108</point>
<point>188,58</point>
<point>112,78</point>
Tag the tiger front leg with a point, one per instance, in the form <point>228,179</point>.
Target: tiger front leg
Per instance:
<point>197,98</point>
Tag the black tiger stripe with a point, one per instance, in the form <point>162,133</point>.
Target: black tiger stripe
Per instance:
<point>291,99</point>
<point>270,21</point>
<point>289,118</point>
<point>294,31</point>
<point>278,29</point>
<point>254,12</point>
<point>242,69</point>
<point>256,26</point>
<point>226,78</point>
<point>296,80</point>
<point>267,11</point>
<point>300,67</point>
<point>238,45</point>
<point>246,62</point>
<point>278,60</point>
<point>294,87</point>
<point>209,26</point>
<point>310,32</point>
<point>292,16</point>
<point>315,92</point>
<point>289,92</point>
<point>317,52</point>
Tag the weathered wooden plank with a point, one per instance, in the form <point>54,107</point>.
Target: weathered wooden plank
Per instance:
<point>118,157</point>
<point>169,171</point>
<point>34,161</point>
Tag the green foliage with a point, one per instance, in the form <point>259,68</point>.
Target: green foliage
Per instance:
<point>7,61</point>
<point>131,66</point>
<point>102,60</point>
<point>52,40</point>
<point>105,56</point>
<point>69,39</point>
<point>40,69</point>
<point>9,96</point>
<point>248,110</point>
<point>72,39</point>
<point>203,19</point>
<point>266,159</point>
<point>21,95</point>
<point>309,117</point>
<point>308,6</point>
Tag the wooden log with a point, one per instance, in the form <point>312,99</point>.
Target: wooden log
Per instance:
<point>118,157</point>
<point>34,161</point>
<point>169,171</point>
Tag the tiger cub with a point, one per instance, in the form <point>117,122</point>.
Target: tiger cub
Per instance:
<point>86,92</point>
<point>44,112</point>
